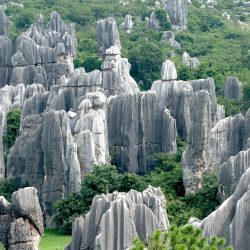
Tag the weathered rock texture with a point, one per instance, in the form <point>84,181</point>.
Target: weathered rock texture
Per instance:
<point>153,22</point>
<point>230,173</point>
<point>137,129</point>
<point>45,156</point>
<point>177,97</point>
<point>194,158</point>
<point>107,35</point>
<point>12,97</point>
<point>230,220</point>
<point>128,24</point>
<point>21,221</point>
<point>169,37</point>
<point>191,62</point>
<point>91,131</point>
<point>177,11</point>
<point>225,139</point>
<point>233,88</point>
<point>40,55</point>
<point>116,219</point>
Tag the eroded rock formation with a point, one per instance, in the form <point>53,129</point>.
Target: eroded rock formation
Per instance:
<point>230,220</point>
<point>45,156</point>
<point>233,88</point>
<point>21,221</point>
<point>191,62</point>
<point>177,11</point>
<point>137,129</point>
<point>40,55</point>
<point>114,220</point>
<point>128,24</point>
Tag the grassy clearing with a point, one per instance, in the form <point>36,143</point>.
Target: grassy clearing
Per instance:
<point>54,240</point>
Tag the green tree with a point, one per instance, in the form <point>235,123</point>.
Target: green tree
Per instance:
<point>180,238</point>
<point>13,127</point>
<point>162,16</point>
<point>146,61</point>
<point>7,187</point>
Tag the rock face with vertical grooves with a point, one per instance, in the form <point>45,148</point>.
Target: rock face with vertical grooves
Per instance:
<point>177,11</point>
<point>91,132</point>
<point>137,129</point>
<point>177,96</point>
<point>233,88</point>
<point>230,220</point>
<point>230,173</point>
<point>40,55</point>
<point>114,220</point>
<point>194,158</point>
<point>191,62</point>
<point>107,35</point>
<point>21,220</point>
<point>225,139</point>
<point>153,22</point>
<point>116,77</point>
<point>45,156</point>
<point>128,24</point>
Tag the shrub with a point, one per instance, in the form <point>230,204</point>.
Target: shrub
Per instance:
<point>13,127</point>
<point>180,238</point>
<point>162,16</point>
<point>7,187</point>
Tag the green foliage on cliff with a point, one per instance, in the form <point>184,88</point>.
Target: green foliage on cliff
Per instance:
<point>167,175</point>
<point>180,238</point>
<point>13,127</point>
<point>7,187</point>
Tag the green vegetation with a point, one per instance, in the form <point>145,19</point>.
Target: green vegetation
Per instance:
<point>180,238</point>
<point>7,187</point>
<point>2,246</point>
<point>54,240</point>
<point>168,175</point>
<point>13,127</point>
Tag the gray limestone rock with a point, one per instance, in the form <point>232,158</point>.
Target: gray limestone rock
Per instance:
<point>91,131</point>
<point>4,23</point>
<point>208,85</point>
<point>230,173</point>
<point>233,88</point>
<point>45,156</point>
<point>107,35</point>
<point>169,37</point>
<point>246,4</point>
<point>128,24</point>
<point>230,219</point>
<point>118,218</point>
<point>191,62</point>
<point>40,55</point>
<point>26,204</point>
<point>194,158</point>
<point>177,11</point>
<point>168,72</point>
<point>21,224</point>
<point>116,77</point>
<point>225,139</point>
<point>137,129</point>
<point>153,22</point>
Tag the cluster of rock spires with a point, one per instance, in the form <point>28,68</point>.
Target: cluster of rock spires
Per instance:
<point>70,120</point>
<point>21,221</point>
<point>114,220</point>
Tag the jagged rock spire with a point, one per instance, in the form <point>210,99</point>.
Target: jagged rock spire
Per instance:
<point>4,23</point>
<point>107,35</point>
<point>168,71</point>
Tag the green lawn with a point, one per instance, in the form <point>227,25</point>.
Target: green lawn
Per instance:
<point>54,240</point>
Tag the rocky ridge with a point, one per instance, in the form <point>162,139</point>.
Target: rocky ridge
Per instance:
<point>21,220</point>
